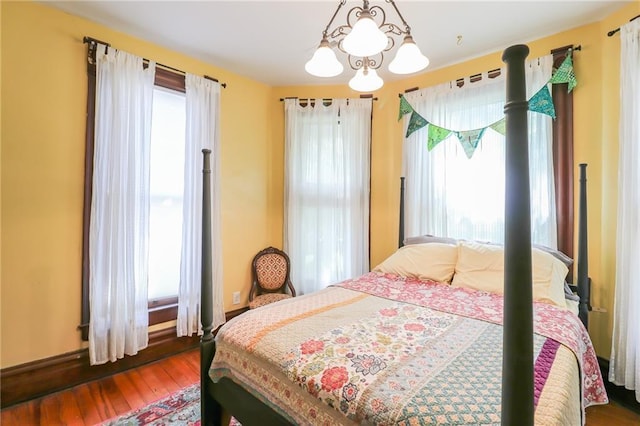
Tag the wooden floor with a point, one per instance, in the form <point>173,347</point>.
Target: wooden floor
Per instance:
<point>101,400</point>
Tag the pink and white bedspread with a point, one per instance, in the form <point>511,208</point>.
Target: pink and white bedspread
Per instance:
<point>383,349</point>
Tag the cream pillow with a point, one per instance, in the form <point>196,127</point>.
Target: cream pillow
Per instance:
<point>481,267</point>
<point>432,261</point>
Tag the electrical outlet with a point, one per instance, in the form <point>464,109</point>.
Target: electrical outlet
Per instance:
<point>236,297</point>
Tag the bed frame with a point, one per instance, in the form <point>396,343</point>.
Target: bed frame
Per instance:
<point>517,381</point>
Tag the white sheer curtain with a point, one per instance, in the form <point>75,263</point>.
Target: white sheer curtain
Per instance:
<point>202,131</point>
<point>624,366</point>
<point>448,194</point>
<point>326,231</point>
<point>120,207</point>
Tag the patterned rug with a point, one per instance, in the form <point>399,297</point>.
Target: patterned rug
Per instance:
<point>180,408</point>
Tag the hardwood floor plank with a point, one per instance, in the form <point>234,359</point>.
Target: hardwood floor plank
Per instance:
<point>160,373</point>
<point>22,414</point>
<point>112,393</point>
<point>147,394</point>
<point>50,411</point>
<point>129,390</point>
<point>157,387</point>
<point>194,360</point>
<point>182,371</point>
<point>103,404</point>
<point>611,414</point>
<point>70,413</point>
<point>87,405</point>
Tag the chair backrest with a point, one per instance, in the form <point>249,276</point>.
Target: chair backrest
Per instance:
<point>271,269</point>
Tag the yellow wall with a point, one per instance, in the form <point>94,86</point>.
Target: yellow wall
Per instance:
<point>43,152</point>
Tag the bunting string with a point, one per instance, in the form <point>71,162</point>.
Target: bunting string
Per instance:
<point>541,102</point>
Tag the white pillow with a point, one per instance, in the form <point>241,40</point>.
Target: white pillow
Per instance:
<point>481,267</point>
<point>432,261</point>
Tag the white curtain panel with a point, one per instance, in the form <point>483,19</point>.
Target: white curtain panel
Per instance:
<point>624,365</point>
<point>327,167</point>
<point>202,131</point>
<point>448,194</point>
<point>118,241</point>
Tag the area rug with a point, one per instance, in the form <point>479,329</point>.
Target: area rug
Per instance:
<point>179,408</point>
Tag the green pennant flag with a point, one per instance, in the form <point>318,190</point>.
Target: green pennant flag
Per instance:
<point>469,139</point>
<point>565,74</point>
<point>500,126</point>
<point>416,122</point>
<point>436,135</point>
<point>542,102</point>
<point>405,107</point>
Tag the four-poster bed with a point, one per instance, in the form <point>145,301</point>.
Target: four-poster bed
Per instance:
<point>356,352</point>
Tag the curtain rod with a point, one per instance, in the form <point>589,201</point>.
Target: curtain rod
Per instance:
<point>96,41</point>
<point>460,81</point>
<point>612,32</point>
<point>491,73</point>
<point>326,99</point>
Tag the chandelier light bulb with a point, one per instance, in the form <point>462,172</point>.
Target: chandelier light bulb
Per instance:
<point>366,80</point>
<point>408,58</point>
<point>324,62</point>
<point>365,38</point>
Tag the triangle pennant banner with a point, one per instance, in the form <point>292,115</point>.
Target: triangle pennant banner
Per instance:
<point>565,74</point>
<point>416,122</point>
<point>436,135</point>
<point>405,107</point>
<point>500,126</point>
<point>542,102</point>
<point>469,139</point>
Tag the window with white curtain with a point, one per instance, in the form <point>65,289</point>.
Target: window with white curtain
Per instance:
<point>142,240</point>
<point>327,161</point>
<point>449,194</point>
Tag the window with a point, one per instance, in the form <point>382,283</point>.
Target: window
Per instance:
<point>450,194</point>
<point>563,168</point>
<point>167,188</point>
<point>327,191</point>
<point>166,171</point>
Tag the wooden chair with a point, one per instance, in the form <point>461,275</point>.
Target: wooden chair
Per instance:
<point>270,272</point>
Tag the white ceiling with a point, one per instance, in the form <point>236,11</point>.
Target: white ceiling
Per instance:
<point>270,41</point>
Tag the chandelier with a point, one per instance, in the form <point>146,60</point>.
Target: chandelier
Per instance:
<point>365,38</point>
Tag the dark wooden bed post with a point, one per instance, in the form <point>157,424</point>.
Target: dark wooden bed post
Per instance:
<point>209,409</point>
<point>401,222</point>
<point>583,282</point>
<point>517,360</point>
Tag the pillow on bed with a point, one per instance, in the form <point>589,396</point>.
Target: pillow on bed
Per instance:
<point>481,267</point>
<point>433,261</point>
<point>555,253</point>
<point>424,239</point>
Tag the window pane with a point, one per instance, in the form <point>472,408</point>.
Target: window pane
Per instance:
<point>167,179</point>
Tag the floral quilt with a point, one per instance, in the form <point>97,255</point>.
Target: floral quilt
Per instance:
<point>383,349</point>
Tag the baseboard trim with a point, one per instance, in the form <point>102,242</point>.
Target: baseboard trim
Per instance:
<point>619,394</point>
<point>38,378</point>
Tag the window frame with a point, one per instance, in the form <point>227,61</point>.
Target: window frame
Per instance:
<point>162,309</point>
<point>563,164</point>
